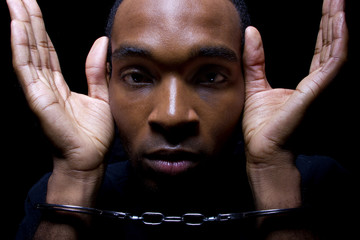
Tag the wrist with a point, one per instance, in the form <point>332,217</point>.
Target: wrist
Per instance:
<point>73,188</point>
<point>275,186</point>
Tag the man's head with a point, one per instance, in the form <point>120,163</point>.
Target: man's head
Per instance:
<point>176,88</point>
<point>239,5</point>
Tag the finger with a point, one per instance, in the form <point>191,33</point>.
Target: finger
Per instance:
<point>38,27</point>
<point>332,42</point>
<point>20,44</point>
<point>320,77</point>
<point>42,55</point>
<point>336,6</point>
<point>29,13</point>
<point>54,60</point>
<point>331,10</point>
<point>18,12</point>
<point>339,31</point>
<point>315,63</point>
<point>325,28</point>
<point>21,55</point>
<point>59,81</point>
<point>254,62</point>
<point>39,38</point>
<point>36,93</point>
<point>95,69</point>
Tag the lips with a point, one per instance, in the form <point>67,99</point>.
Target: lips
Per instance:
<point>171,161</point>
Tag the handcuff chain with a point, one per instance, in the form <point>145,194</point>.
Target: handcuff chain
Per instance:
<point>157,218</point>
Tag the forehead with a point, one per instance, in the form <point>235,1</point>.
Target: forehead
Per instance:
<point>177,23</point>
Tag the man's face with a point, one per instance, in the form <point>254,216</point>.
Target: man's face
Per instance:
<point>176,89</point>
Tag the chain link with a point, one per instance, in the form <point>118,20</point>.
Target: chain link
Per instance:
<point>157,218</point>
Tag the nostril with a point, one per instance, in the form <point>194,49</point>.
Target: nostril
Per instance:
<point>176,134</point>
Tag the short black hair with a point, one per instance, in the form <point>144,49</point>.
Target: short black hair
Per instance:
<point>240,6</point>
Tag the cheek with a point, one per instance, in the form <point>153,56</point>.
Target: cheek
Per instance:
<point>129,114</point>
<point>222,117</point>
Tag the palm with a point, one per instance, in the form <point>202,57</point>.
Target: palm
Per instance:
<point>261,111</point>
<point>271,115</point>
<point>79,126</point>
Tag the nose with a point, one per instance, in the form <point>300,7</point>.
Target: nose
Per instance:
<point>174,115</point>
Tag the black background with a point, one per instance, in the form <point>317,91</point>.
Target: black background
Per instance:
<point>289,30</point>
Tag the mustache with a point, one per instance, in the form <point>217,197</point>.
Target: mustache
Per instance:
<point>156,145</point>
<point>172,155</point>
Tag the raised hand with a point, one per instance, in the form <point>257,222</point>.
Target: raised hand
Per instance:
<point>271,115</point>
<point>80,127</point>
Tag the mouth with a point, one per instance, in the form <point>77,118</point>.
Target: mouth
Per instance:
<point>171,161</point>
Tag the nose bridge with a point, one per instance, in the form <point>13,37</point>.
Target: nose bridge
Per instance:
<point>174,104</point>
<point>175,98</point>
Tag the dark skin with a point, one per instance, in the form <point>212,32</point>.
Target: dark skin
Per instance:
<point>176,97</point>
<point>179,103</point>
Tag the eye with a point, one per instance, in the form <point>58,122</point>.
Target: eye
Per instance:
<point>211,75</point>
<point>136,77</point>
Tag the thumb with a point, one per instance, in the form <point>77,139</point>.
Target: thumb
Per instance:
<point>254,63</point>
<point>96,71</point>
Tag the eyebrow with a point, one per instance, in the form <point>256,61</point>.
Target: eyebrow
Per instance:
<point>214,52</point>
<point>131,51</point>
<point>220,52</point>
